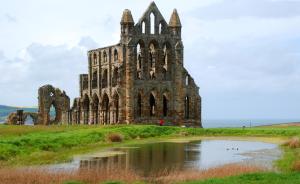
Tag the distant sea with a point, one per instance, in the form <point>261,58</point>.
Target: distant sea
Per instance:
<point>218,123</point>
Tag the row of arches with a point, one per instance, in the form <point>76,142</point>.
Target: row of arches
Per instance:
<point>103,56</point>
<point>149,62</point>
<point>97,111</point>
<point>148,106</point>
<point>151,24</point>
<point>102,79</point>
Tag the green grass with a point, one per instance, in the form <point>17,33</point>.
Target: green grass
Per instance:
<point>29,145</point>
<point>258,178</point>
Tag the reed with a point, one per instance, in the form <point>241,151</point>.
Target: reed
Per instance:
<point>96,176</point>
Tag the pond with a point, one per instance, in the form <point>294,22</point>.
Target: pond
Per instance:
<point>150,158</point>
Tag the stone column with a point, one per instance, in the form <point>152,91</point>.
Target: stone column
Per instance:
<point>129,77</point>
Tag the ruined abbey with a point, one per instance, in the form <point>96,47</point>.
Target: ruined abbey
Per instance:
<point>141,79</point>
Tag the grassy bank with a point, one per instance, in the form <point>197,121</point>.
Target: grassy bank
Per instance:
<point>30,145</point>
<point>27,145</point>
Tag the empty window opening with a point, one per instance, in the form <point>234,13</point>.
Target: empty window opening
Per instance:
<point>95,59</point>
<point>115,77</point>
<point>143,27</point>
<point>152,105</point>
<point>165,106</point>
<point>95,110</point>
<point>52,113</point>
<point>104,57</point>
<point>152,23</point>
<point>29,120</point>
<point>104,79</point>
<point>160,28</point>
<point>94,79</point>
<point>139,105</point>
<point>116,57</point>
<point>187,80</point>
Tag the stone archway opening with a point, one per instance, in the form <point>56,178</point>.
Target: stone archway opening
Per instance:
<point>165,106</point>
<point>28,120</point>
<point>152,105</point>
<point>95,110</point>
<point>52,114</point>
<point>116,108</point>
<point>105,107</point>
<point>139,105</point>
<point>86,109</point>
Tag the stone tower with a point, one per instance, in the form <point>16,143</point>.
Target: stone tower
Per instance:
<point>141,79</point>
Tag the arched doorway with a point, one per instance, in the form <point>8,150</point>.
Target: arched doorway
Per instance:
<point>116,108</point>
<point>95,109</point>
<point>165,106</point>
<point>139,105</point>
<point>105,109</point>
<point>152,105</point>
<point>28,120</point>
<point>53,114</point>
<point>86,109</point>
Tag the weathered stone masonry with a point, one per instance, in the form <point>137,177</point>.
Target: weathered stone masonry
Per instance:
<point>142,79</point>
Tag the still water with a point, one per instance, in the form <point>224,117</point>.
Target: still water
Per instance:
<point>155,157</point>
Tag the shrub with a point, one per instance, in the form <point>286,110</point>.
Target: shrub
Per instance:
<point>115,137</point>
<point>293,143</point>
<point>296,166</point>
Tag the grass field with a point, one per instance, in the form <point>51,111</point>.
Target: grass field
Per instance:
<point>31,145</point>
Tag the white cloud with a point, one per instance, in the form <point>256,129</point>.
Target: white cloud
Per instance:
<point>244,54</point>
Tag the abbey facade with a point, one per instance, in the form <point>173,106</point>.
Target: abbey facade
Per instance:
<point>142,79</point>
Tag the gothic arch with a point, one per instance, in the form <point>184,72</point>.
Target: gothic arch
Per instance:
<point>115,77</point>
<point>140,47</point>
<point>95,109</point>
<point>116,108</point>
<point>152,105</point>
<point>152,21</point>
<point>187,107</point>
<point>95,79</point>
<point>152,49</point>
<point>104,57</point>
<point>104,78</point>
<point>86,109</point>
<point>139,106</point>
<point>116,56</point>
<point>105,109</point>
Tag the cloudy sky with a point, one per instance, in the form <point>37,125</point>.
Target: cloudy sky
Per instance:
<point>244,54</point>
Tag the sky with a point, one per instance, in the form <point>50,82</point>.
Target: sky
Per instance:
<point>244,54</point>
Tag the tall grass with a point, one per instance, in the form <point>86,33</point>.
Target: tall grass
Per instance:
<point>97,176</point>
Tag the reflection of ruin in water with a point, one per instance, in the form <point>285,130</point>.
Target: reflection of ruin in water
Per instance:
<point>147,159</point>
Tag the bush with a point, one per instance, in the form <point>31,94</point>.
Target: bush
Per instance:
<point>115,137</point>
<point>296,166</point>
<point>293,143</point>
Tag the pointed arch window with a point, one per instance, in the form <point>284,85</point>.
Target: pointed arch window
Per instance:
<point>165,106</point>
<point>160,29</point>
<point>143,27</point>
<point>116,57</point>
<point>152,105</point>
<point>152,23</point>
<point>139,105</point>
<point>95,58</point>
<point>104,57</point>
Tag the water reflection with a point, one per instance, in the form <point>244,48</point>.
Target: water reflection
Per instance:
<point>156,157</point>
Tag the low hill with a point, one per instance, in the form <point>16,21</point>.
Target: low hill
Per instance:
<point>6,110</point>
